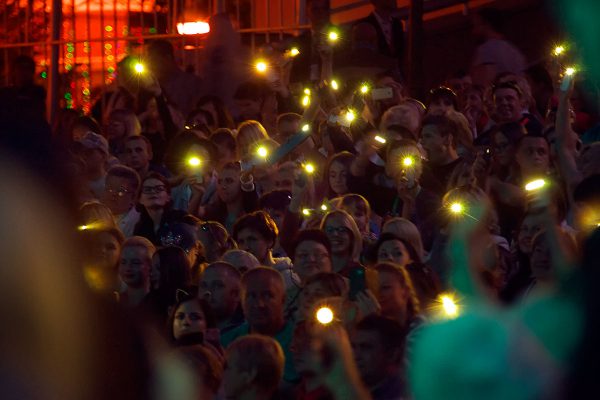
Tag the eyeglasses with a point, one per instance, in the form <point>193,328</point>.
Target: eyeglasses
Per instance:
<point>153,189</point>
<point>119,192</point>
<point>340,230</point>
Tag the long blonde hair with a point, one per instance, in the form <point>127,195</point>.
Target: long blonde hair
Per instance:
<point>350,224</point>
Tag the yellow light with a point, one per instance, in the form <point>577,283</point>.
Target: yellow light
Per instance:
<point>324,315</point>
<point>333,36</point>
<point>558,50</point>
<point>325,208</point>
<point>309,168</point>
<point>306,211</point>
<point>194,161</point>
<point>457,208</point>
<point>380,139</point>
<point>449,305</point>
<point>408,161</point>
<point>307,91</point>
<point>535,185</point>
<point>261,66</point>
<point>350,116</point>
<point>306,101</point>
<point>334,84</point>
<point>364,89</point>
<point>305,128</point>
<point>262,151</point>
<point>139,68</point>
<point>570,71</point>
<point>294,51</point>
<point>83,228</point>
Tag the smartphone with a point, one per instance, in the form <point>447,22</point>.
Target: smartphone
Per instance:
<point>358,282</point>
<point>382,93</point>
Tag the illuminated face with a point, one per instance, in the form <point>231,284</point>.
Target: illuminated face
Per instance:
<point>154,194</point>
<point>310,258</point>
<point>393,251</point>
<point>136,155</point>
<point>338,178</point>
<point>253,242</point>
<point>263,303</point>
<point>508,105</point>
<point>229,187</point>
<point>391,295</point>
<point>533,156</point>
<point>339,235</point>
<point>134,267</point>
<point>118,195</point>
<point>224,290</point>
<point>189,318</point>
<point>310,295</point>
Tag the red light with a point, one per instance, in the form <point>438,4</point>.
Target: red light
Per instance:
<point>193,28</point>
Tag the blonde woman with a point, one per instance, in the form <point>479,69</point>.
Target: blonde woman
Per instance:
<point>346,241</point>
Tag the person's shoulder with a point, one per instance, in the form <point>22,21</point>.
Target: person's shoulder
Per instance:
<point>228,337</point>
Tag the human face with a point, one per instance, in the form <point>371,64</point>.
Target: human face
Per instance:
<point>253,242</point>
<point>116,129</point>
<point>310,258</point>
<point>508,105</point>
<point>531,225</point>
<point>533,156</point>
<point>189,318</point>
<point>474,101</point>
<point>359,215</point>
<point>393,251</point>
<point>137,155</point>
<point>118,195</point>
<point>134,267</point>
<point>440,107</point>
<point>391,295</point>
<point>309,297</point>
<point>154,194</point>
<point>263,302</point>
<point>504,152</point>
<point>436,146</point>
<point>223,290</point>
<point>338,174</point>
<point>225,153</point>
<point>370,355</point>
<point>106,250</point>
<point>229,188</point>
<point>540,260</point>
<point>339,235</point>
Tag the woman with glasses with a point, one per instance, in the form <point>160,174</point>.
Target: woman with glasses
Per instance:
<point>156,212</point>
<point>346,241</point>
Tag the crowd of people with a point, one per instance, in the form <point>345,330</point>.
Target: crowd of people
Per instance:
<point>317,233</point>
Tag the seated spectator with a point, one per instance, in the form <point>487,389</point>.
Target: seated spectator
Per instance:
<point>378,343</point>
<point>253,368</point>
<point>220,285</point>
<point>120,195</point>
<point>242,260</point>
<point>134,269</point>
<point>156,213</point>
<point>263,298</point>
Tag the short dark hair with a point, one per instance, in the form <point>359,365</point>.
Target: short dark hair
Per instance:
<point>224,136</point>
<point>312,235</point>
<point>508,85</point>
<point>259,221</point>
<point>158,177</point>
<point>139,137</point>
<point>391,333</point>
<point>276,199</point>
<point>443,92</point>
<point>445,126</point>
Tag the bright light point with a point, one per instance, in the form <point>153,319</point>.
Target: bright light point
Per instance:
<point>449,305</point>
<point>306,101</point>
<point>306,211</point>
<point>408,161</point>
<point>333,36</point>
<point>456,208</point>
<point>324,315</point>
<point>324,208</point>
<point>294,51</point>
<point>139,68</point>
<point>261,66</point>
<point>334,84</point>
<point>570,71</point>
<point>380,139</point>
<point>364,89</point>
<point>558,50</point>
<point>194,161</point>
<point>83,228</point>
<point>307,91</point>
<point>535,185</point>
<point>309,168</point>
<point>262,151</point>
<point>193,28</point>
<point>305,128</point>
<point>350,115</point>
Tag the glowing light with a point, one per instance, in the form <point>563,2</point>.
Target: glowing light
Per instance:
<point>334,84</point>
<point>262,152</point>
<point>294,51</point>
<point>324,315</point>
<point>305,128</point>
<point>305,101</point>
<point>380,139</point>
<point>570,71</point>
<point>307,91</point>
<point>535,185</point>
<point>364,88</point>
<point>194,161</point>
<point>309,168</point>
<point>139,68</point>
<point>193,28</point>
<point>408,161</point>
<point>333,36</point>
<point>457,208</point>
<point>558,50</point>
<point>448,305</point>
<point>350,116</point>
<point>83,228</point>
<point>261,66</point>
<point>306,212</point>
<point>324,207</point>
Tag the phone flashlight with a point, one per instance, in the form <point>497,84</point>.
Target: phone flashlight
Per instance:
<point>333,36</point>
<point>261,66</point>
<point>335,85</point>
<point>324,315</point>
<point>380,139</point>
<point>309,168</point>
<point>408,161</point>
<point>139,68</point>
<point>535,185</point>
